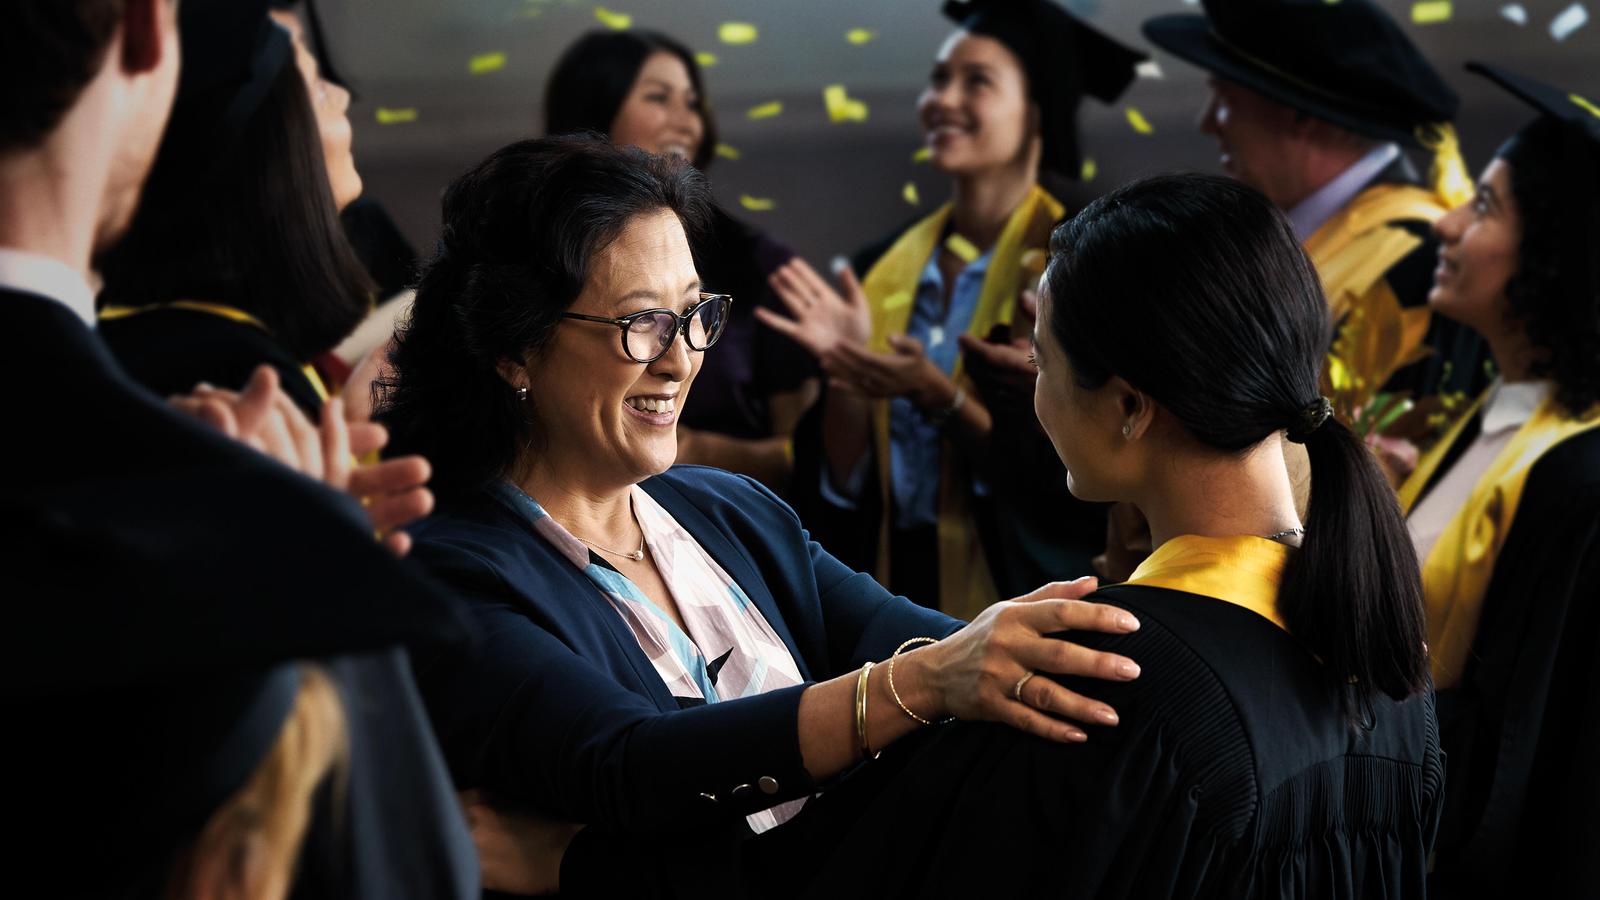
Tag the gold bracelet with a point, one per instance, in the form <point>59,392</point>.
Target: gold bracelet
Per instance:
<point>861,712</point>
<point>896,694</point>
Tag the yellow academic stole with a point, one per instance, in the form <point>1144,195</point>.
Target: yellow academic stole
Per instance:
<point>965,585</point>
<point>1244,570</point>
<point>1456,574</point>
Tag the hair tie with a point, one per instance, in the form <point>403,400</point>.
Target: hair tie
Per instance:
<point>1309,419</point>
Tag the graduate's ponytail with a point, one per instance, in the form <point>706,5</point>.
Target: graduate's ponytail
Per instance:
<point>1195,290</point>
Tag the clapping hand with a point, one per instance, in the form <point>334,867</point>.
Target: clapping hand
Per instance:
<point>822,318</point>
<point>393,492</point>
<point>1001,367</point>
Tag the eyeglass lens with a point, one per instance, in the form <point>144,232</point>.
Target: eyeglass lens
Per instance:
<point>649,336</point>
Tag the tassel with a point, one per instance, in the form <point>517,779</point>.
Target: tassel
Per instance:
<point>1447,172</point>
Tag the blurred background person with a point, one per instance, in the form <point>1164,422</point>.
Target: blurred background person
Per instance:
<point>1505,513</point>
<point>904,470</point>
<point>644,89</point>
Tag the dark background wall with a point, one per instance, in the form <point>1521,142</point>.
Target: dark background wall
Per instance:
<point>834,186</point>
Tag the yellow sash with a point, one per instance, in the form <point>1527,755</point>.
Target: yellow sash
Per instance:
<point>965,585</point>
<point>1352,251</point>
<point>1456,574</point>
<point>113,313</point>
<point>1244,570</point>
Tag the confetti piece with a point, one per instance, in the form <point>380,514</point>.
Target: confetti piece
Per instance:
<point>1584,104</point>
<point>895,301</point>
<point>965,250</point>
<point>1570,19</point>
<point>1089,168</point>
<point>859,36</point>
<point>1430,12</point>
<point>726,152</point>
<point>841,108</point>
<point>486,62</point>
<point>737,33</point>
<point>616,20</point>
<point>387,116</point>
<point>705,60</point>
<point>765,110</point>
<point>923,154</point>
<point>757,204</point>
<point>1149,69</point>
<point>909,193</point>
<point>1514,13</point>
<point>1139,122</point>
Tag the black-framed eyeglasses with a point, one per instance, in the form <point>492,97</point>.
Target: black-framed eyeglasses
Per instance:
<point>648,335</point>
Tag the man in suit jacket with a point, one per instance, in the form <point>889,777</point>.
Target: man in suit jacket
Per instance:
<point>113,497</point>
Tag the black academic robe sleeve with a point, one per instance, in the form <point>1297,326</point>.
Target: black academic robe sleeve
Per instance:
<point>1522,729</point>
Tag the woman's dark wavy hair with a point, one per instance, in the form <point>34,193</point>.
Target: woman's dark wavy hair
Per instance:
<point>1195,290</point>
<point>520,231</point>
<point>252,225</point>
<point>1555,293</point>
<point>594,75</point>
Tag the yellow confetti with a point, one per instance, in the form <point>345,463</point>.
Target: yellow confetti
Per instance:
<point>909,192</point>
<point>895,301</point>
<point>1584,104</point>
<point>841,108</point>
<point>737,33</point>
<point>1429,12</point>
<point>726,152</point>
<point>486,62</point>
<point>387,116</point>
<point>1139,122</point>
<point>757,204</point>
<point>923,154</point>
<point>965,250</point>
<point>765,110</point>
<point>859,36</point>
<point>1086,172</point>
<point>616,20</point>
<point>705,60</point>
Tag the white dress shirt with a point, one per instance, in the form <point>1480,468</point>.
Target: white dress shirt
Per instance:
<point>1508,408</point>
<point>1309,214</point>
<point>33,273</point>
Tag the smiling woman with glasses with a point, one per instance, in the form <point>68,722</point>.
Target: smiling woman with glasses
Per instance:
<point>661,645</point>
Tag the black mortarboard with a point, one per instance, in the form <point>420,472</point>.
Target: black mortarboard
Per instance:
<point>319,39</point>
<point>1346,62</point>
<point>1064,59</point>
<point>232,53</point>
<point>1568,107</point>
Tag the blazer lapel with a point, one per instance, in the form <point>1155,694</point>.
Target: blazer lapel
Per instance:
<point>730,557</point>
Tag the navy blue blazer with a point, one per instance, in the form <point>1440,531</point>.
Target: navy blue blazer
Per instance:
<point>558,707</point>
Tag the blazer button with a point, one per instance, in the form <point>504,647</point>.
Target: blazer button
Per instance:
<point>739,792</point>
<point>709,798</point>
<point>768,784</point>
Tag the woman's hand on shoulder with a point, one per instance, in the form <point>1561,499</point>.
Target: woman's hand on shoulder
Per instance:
<point>986,670</point>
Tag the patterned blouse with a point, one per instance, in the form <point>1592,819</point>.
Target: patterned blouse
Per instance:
<point>729,650</point>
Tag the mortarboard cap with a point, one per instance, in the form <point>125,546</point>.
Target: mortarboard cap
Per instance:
<point>1568,107</point>
<point>319,39</point>
<point>1063,57</point>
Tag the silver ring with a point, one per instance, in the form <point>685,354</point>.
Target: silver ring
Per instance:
<point>1017,691</point>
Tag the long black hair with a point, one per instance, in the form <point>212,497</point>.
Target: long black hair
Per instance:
<point>1195,290</point>
<point>252,225</point>
<point>593,77</point>
<point>1555,292</point>
<point>520,231</point>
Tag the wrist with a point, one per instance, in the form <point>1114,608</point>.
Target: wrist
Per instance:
<point>916,677</point>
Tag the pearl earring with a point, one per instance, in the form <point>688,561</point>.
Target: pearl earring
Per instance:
<point>1127,431</point>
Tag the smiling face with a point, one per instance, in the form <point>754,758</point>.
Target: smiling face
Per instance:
<point>975,110</point>
<point>331,104</point>
<point>1255,136</point>
<point>601,413</point>
<point>1478,244</point>
<point>661,113</point>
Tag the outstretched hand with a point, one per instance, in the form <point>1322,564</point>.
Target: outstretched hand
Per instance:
<point>393,492</point>
<point>820,318</point>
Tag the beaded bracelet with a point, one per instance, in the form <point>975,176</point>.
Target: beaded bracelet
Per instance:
<point>861,712</point>
<point>896,694</point>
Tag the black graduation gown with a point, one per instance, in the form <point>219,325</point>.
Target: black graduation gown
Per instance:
<point>170,350</point>
<point>1233,773</point>
<point>114,497</point>
<point>1522,727</point>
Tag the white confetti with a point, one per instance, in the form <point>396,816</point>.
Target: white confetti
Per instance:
<point>1571,19</point>
<point>935,336</point>
<point>1514,13</point>
<point>1149,69</point>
